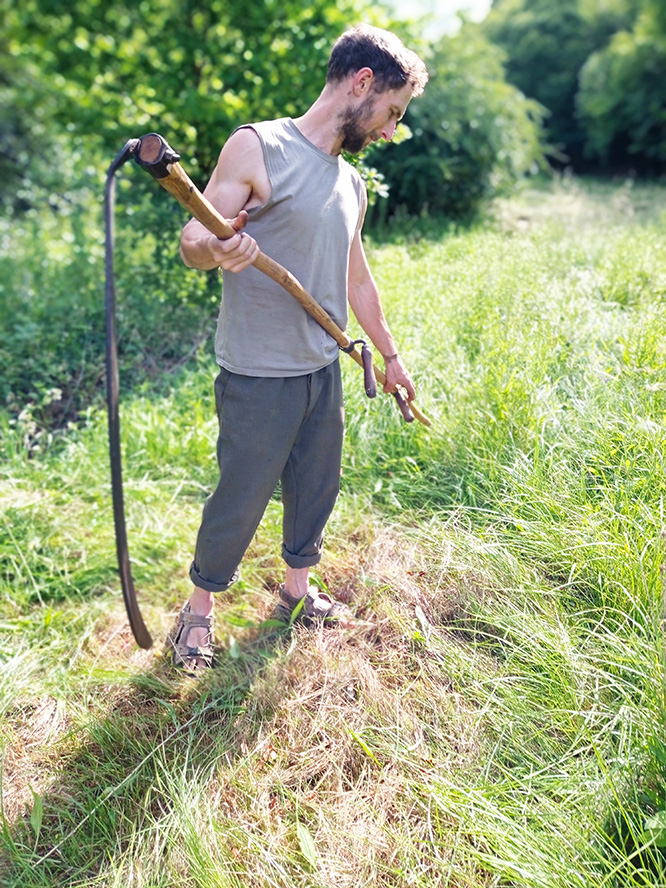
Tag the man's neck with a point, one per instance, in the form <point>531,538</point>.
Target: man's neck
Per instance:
<point>320,123</point>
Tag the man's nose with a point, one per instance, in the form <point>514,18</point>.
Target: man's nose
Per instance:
<point>389,131</point>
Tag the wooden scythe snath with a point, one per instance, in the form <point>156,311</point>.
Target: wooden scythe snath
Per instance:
<point>154,154</point>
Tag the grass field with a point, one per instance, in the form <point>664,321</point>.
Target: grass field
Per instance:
<point>497,719</point>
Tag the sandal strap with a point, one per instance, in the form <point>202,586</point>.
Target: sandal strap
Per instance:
<point>191,621</point>
<point>318,603</point>
<point>287,599</point>
<point>205,652</point>
<point>187,621</point>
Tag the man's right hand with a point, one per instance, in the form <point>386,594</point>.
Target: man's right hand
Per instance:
<point>237,252</point>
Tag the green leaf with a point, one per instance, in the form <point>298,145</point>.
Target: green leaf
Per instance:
<point>656,826</point>
<point>234,650</point>
<point>37,813</point>
<point>272,624</point>
<point>239,621</point>
<point>307,844</point>
<point>296,611</point>
<point>659,751</point>
<point>364,746</point>
<point>656,822</point>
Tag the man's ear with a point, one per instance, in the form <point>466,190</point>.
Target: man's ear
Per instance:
<point>362,82</point>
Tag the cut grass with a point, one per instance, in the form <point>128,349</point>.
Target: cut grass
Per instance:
<point>500,722</point>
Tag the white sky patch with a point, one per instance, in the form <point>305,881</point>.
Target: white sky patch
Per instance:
<point>440,16</point>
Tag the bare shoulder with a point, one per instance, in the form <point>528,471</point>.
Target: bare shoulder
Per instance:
<point>241,143</point>
<point>241,161</point>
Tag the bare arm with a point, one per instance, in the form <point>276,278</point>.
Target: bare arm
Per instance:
<point>366,304</point>
<point>237,184</point>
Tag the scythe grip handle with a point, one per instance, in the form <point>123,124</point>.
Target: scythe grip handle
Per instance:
<point>405,409</point>
<point>369,381</point>
<point>368,372</point>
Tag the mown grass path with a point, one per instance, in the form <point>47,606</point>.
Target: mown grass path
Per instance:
<point>498,719</point>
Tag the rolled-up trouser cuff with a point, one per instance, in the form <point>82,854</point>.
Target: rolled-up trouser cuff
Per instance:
<point>299,561</point>
<point>209,586</point>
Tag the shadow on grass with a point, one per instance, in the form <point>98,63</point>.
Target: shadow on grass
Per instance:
<point>116,772</point>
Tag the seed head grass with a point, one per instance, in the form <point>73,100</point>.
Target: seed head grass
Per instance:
<point>495,718</point>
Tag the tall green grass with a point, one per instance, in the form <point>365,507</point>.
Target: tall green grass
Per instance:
<point>498,719</point>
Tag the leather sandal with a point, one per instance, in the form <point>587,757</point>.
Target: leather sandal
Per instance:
<point>316,607</point>
<point>185,656</point>
<point>286,606</point>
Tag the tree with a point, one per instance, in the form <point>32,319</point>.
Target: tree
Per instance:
<point>110,70</point>
<point>546,45</point>
<point>473,134</point>
<point>598,66</point>
<point>622,97</point>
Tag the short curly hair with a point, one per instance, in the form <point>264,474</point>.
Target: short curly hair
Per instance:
<point>392,64</point>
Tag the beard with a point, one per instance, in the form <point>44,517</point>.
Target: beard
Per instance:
<point>354,131</point>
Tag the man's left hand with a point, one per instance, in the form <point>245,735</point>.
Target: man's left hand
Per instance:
<point>397,375</point>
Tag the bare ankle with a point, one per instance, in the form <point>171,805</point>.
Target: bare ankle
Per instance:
<point>202,602</point>
<point>296,581</point>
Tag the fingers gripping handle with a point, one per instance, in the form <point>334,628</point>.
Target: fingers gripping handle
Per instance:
<point>371,385</point>
<point>156,156</point>
<point>409,410</point>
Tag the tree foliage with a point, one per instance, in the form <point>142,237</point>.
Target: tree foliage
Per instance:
<point>102,71</point>
<point>622,98</point>
<point>473,134</point>
<point>598,67</point>
<point>108,70</point>
<point>546,45</point>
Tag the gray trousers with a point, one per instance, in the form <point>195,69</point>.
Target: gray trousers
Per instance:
<point>286,429</point>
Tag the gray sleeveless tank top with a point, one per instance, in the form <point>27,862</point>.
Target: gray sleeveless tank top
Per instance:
<point>307,225</point>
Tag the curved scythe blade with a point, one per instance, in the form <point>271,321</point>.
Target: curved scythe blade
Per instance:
<point>137,625</point>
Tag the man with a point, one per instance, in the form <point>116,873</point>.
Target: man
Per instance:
<point>283,184</point>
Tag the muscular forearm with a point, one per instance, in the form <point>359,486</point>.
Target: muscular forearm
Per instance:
<point>195,248</point>
<point>367,307</point>
<point>366,304</point>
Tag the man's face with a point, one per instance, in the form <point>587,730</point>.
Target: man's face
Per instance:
<point>376,117</point>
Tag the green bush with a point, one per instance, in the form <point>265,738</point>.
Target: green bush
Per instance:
<point>473,134</point>
<point>193,71</point>
<point>52,328</point>
<point>622,100</point>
